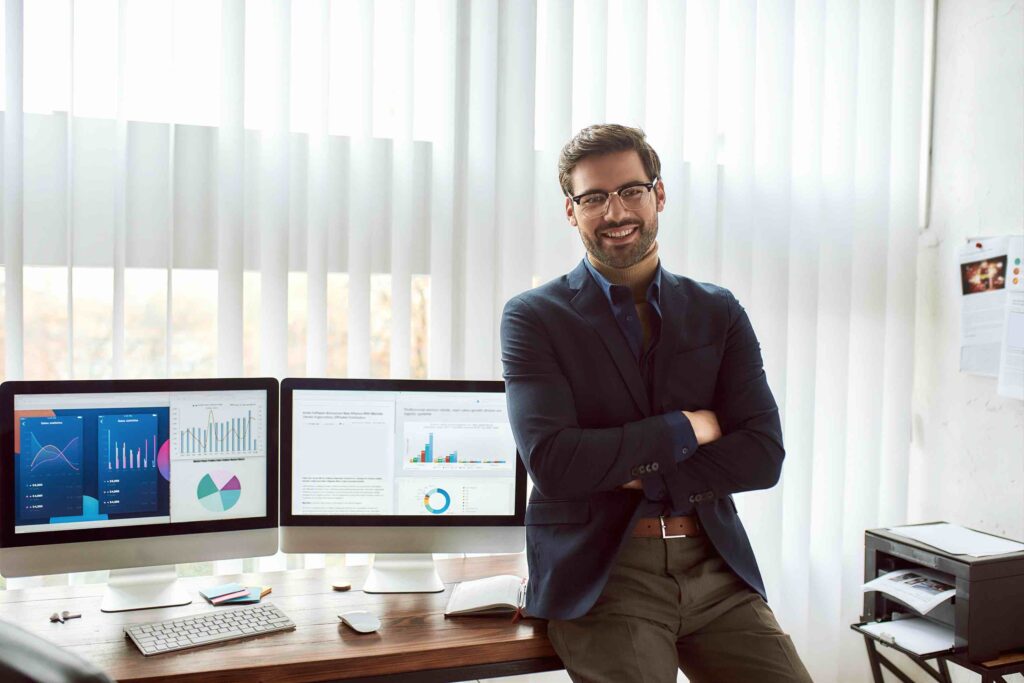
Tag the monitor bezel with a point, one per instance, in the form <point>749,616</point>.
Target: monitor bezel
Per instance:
<point>8,390</point>
<point>288,519</point>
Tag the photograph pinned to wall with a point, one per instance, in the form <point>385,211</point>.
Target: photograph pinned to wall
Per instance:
<point>985,275</point>
<point>983,268</point>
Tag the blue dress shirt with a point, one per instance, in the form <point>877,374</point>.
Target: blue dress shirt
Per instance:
<point>684,441</point>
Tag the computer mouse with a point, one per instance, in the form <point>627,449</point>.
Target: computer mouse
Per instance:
<point>360,621</point>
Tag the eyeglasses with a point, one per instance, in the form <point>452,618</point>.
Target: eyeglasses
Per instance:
<point>595,204</point>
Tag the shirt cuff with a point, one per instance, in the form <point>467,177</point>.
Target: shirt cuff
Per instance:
<point>684,441</point>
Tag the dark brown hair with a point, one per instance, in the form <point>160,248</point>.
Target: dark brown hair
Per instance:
<point>605,138</point>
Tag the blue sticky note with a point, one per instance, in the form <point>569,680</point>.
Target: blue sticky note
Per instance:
<point>215,592</point>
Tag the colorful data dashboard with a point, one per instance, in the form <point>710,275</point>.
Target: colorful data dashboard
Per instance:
<point>96,460</point>
<point>401,453</point>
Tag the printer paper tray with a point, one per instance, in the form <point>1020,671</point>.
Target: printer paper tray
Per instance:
<point>915,636</point>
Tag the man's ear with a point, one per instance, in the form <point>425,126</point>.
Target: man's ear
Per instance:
<point>659,191</point>
<point>570,215</point>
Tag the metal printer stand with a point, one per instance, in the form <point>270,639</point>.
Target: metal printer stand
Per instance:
<point>991,671</point>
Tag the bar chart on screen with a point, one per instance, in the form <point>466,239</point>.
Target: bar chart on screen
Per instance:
<point>200,428</point>
<point>455,446</point>
<point>217,455</point>
<point>127,456</point>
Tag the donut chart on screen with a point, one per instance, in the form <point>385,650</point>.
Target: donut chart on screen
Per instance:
<point>437,501</point>
<point>218,491</point>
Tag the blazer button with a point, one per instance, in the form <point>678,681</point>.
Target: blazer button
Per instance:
<point>654,467</point>
<point>685,450</point>
<point>694,499</point>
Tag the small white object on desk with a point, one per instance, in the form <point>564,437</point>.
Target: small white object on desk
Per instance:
<point>360,621</point>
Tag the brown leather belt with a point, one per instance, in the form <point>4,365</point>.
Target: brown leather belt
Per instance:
<point>667,527</point>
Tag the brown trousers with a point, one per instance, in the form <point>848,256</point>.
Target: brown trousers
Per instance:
<point>675,604</point>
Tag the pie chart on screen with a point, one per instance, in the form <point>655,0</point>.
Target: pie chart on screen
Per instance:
<point>219,490</point>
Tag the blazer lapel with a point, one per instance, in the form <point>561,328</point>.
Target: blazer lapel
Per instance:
<point>593,307</point>
<point>673,324</point>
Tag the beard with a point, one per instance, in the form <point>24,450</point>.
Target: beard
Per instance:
<point>621,258</point>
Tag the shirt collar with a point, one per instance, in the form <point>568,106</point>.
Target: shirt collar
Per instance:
<point>613,291</point>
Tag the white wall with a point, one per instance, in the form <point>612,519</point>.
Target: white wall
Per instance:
<point>967,462</point>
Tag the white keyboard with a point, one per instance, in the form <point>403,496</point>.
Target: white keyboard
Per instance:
<point>210,627</point>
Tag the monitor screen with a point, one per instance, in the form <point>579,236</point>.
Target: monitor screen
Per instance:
<point>427,452</point>
<point>137,458</point>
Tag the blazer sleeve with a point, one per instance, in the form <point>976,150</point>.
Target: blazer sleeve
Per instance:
<point>563,459</point>
<point>749,454</point>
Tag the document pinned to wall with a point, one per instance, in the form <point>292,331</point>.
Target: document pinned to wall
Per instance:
<point>992,311</point>
<point>983,272</point>
<point>1011,355</point>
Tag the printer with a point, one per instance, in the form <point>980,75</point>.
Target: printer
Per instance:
<point>987,613</point>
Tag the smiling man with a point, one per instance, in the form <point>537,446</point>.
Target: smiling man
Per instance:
<point>639,404</point>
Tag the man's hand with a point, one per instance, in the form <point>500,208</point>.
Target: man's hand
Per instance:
<point>705,426</point>
<point>635,484</point>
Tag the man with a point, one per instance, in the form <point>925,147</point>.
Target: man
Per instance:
<point>639,404</point>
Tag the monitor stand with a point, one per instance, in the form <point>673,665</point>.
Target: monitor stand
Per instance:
<point>144,588</point>
<point>408,573</point>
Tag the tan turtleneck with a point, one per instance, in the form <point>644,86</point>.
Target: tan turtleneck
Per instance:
<point>638,278</point>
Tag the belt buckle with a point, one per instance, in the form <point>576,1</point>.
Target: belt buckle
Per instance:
<point>661,518</point>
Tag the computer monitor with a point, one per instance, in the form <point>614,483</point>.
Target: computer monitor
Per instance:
<point>402,469</point>
<point>130,474</point>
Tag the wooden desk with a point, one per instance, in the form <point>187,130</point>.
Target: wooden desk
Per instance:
<point>415,642</point>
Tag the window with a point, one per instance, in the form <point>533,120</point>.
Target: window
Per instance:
<point>145,322</point>
<point>298,323</point>
<point>337,324</point>
<point>380,325</point>
<point>419,346</point>
<point>45,297</point>
<point>92,343</point>
<point>193,323</point>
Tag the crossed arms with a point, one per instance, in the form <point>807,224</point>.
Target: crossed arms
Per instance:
<point>566,460</point>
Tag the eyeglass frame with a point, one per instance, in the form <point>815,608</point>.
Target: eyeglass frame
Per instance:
<point>608,202</point>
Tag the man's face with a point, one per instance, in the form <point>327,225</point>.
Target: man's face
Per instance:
<point>622,236</point>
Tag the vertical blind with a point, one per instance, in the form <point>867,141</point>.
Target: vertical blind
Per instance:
<point>420,137</point>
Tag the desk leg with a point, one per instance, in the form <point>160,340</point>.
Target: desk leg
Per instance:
<point>876,669</point>
<point>944,670</point>
<point>878,660</point>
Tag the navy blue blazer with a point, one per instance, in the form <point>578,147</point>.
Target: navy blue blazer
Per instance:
<point>585,424</point>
